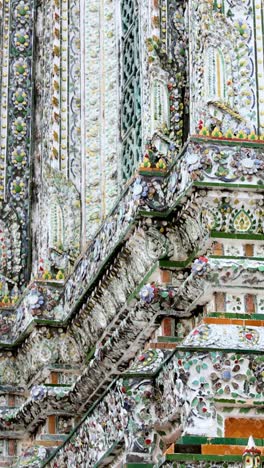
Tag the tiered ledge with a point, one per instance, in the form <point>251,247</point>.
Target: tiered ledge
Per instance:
<point>95,322</point>
<point>157,301</point>
<point>151,369</point>
<point>147,195</point>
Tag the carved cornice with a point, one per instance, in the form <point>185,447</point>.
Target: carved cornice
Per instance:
<point>120,341</point>
<point>96,306</point>
<point>146,411</point>
<point>153,196</point>
<point>147,242</point>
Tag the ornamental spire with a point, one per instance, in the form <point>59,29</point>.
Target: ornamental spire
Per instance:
<point>251,455</point>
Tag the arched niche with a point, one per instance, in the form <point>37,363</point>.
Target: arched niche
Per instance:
<point>56,226</point>
<point>159,105</point>
<point>215,74</point>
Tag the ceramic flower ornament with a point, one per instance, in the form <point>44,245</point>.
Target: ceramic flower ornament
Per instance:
<point>251,455</point>
<point>147,293</point>
<point>199,266</point>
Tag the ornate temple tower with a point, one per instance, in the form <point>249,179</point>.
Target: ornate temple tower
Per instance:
<point>131,233</point>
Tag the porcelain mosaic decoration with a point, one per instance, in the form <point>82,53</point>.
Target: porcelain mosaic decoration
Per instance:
<point>131,233</point>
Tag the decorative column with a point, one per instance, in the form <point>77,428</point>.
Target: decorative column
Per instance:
<point>16,122</point>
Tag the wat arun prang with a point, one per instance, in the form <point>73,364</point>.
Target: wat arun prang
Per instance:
<point>131,233</point>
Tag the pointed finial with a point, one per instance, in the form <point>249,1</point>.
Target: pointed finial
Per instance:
<point>251,442</point>
<point>251,447</point>
<point>251,455</point>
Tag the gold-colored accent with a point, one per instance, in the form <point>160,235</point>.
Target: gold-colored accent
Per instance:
<point>218,75</point>
<point>224,107</point>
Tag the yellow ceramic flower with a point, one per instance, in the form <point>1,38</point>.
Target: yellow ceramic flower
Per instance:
<point>145,163</point>
<point>204,131</point>
<point>229,134</point>
<point>241,135</point>
<point>252,136</point>
<point>6,300</point>
<point>46,275</point>
<point>216,133</point>
<point>59,275</point>
<point>161,164</point>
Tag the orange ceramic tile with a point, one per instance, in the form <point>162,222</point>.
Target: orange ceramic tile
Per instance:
<point>256,323</point>
<point>217,320</point>
<point>218,249</point>
<point>167,326</point>
<point>230,321</point>
<point>11,448</point>
<point>170,449</point>
<point>249,250</point>
<point>162,346</point>
<point>238,322</point>
<point>209,449</point>
<point>250,303</point>
<point>165,276</point>
<point>52,424</point>
<point>54,378</point>
<point>244,427</point>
